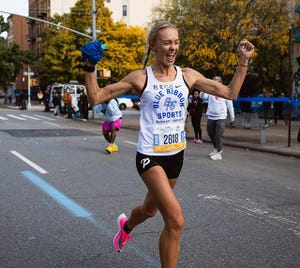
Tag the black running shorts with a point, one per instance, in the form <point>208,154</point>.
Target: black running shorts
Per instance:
<point>171,164</point>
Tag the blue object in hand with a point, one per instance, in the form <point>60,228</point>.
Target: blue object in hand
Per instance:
<point>93,51</point>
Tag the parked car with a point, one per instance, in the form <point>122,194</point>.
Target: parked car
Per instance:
<point>124,103</point>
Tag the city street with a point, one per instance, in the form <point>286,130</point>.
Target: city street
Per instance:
<point>61,193</point>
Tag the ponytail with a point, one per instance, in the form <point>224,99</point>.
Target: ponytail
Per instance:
<point>146,58</point>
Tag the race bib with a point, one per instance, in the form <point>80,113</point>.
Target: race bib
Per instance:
<point>169,137</point>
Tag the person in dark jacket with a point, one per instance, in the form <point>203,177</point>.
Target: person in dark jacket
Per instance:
<point>267,106</point>
<point>23,100</point>
<point>83,105</point>
<point>248,89</point>
<point>195,110</point>
<point>56,103</point>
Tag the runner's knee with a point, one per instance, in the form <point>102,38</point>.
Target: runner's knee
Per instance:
<point>175,222</point>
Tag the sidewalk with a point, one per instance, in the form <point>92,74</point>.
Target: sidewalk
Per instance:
<point>276,136</point>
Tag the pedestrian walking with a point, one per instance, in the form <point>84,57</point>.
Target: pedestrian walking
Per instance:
<point>112,123</point>
<point>217,111</point>
<point>164,89</point>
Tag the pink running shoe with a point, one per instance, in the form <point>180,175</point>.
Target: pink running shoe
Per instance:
<point>121,237</point>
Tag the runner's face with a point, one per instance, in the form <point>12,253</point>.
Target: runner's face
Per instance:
<point>166,46</point>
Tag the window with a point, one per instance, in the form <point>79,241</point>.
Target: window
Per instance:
<point>124,10</point>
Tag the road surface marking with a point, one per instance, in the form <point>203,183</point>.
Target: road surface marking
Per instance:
<point>79,211</point>
<point>51,124</point>
<point>252,209</point>
<point>130,142</point>
<point>58,196</point>
<point>30,117</point>
<point>30,163</point>
<point>16,117</point>
<point>45,117</point>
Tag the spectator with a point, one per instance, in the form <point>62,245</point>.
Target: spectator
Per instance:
<point>56,102</point>
<point>10,98</point>
<point>195,110</point>
<point>278,105</point>
<point>83,105</point>
<point>217,110</point>
<point>248,89</point>
<point>23,100</point>
<point>68,103</point>
<point>267,106</point>
<point>47,99</point>
<point>40,96</point>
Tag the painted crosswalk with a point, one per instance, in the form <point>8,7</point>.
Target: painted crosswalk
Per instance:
<point>3,118</point>
<point>30,117</point>
<point>16,117</point>
<point>24,117</point>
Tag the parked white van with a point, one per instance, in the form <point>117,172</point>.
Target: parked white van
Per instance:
<point>73,87</point>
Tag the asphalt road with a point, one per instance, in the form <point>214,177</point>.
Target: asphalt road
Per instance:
<point>60,195</point>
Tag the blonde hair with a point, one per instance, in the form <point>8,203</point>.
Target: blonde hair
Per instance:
<point>152,36</point>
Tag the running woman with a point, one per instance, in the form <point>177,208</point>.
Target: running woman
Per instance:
<point>164,89</point>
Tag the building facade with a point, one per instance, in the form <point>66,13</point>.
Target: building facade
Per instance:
<point>44,9</point>
<point>28,33</point>
<point>17,34</point>
<point>133,12</point>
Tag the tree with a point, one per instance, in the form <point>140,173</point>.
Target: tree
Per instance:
<point>11,58</point>
<point>3,25</point>
<point>61,59</point>
<point>125,50</point>
<point>210,31</point>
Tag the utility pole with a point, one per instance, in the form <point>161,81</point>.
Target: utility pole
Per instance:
<point>94,13</point>
<point>28,74</point>
<point>48,22</point>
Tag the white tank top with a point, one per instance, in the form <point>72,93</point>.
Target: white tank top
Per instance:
<point>163,109</point>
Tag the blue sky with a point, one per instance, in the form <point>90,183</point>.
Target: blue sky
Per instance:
<point>14,6</point>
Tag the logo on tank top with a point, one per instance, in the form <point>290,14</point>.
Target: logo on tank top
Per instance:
<point>170,95</point>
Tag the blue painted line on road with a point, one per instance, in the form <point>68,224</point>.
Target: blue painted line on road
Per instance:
<point>78,211</point>
<point>58,196</point>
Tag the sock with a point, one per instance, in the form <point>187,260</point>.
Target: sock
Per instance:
<point>126,228</point>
